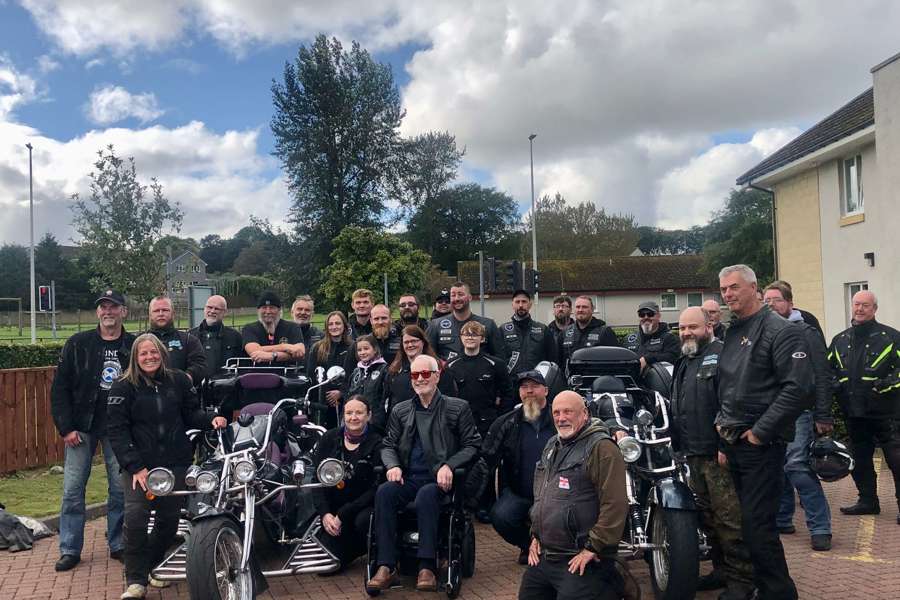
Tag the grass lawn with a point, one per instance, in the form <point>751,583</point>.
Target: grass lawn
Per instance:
<point>37,493</point>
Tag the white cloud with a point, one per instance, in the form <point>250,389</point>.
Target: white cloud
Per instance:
<point>47,64</point>
<point>112,103</point>
<point>219,179</point>
<point>16,88</point>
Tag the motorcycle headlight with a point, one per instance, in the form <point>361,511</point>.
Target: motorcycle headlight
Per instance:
<point>206,482</point>
<point>644,417</point>
<point>244,471</point>
<point>330,472</point>
<point>190,478</point>
<point>160,481</point>
<point>630,448</point>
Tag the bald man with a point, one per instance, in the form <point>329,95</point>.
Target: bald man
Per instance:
<point>865,365</point>
<point>219,341</point>
<point>581,479</point>
<point>714,310</point>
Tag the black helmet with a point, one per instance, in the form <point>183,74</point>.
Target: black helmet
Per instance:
<point>829,459</point>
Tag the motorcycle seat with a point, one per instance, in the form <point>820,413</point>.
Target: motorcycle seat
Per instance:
<point>260,381</point>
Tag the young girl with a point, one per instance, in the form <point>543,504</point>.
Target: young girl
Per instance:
<point>368,379</point>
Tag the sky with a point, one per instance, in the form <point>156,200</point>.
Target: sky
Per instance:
<point>648,108</point>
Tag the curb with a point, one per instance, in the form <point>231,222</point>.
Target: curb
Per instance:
<point>91,511</point>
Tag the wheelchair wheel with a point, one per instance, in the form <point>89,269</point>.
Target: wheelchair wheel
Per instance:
<point>468,550</point>
<point>371,567</point>
<point>454,581</point>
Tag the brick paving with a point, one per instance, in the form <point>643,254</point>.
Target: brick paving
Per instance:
<point>862,565</point>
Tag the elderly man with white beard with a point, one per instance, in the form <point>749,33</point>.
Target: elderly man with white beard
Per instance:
<point>516,439</point>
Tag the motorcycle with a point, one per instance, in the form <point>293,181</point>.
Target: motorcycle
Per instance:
<point>254,485</point>
<point>663,520</point>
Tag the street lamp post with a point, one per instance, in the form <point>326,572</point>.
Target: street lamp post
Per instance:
<point>31,219</point>
<point>534,264</point>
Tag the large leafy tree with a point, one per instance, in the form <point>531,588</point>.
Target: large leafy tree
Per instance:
<point>427,164</point>
<point>72,287</point>
<point>336,127</point>
<point>121,225</point>
<point>741,232</point>
<point>14,274</point>
<point>362,256</point>
<point>655,240</point>
<point>587,231</point>
<point>462,220</point>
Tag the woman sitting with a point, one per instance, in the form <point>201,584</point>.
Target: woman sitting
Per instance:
<point>328,352</point>
<point>345,511</point>
<point>368,379</point>
<point>150,409</point>
<point>399,384</point>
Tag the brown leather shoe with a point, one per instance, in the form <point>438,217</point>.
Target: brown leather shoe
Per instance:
<point>426,582</point>
<point>383,579</point>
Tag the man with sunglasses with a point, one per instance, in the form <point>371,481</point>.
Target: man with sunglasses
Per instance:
<point>653,342</point>
<point>427,438</point>
<point>409,313</point>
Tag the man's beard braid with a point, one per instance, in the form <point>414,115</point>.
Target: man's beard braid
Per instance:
<point>270,329</point>
<point>531,410</point>
<point>381,331</point>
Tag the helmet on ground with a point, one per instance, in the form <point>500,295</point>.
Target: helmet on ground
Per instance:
<point>830,459</point>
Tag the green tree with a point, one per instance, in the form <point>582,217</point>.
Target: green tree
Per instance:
<point>428,163</point>
<point>462,220</point>
<point>587,231</point>
<point>741,232</point>
<point>121,225</point>
<point>72,288</point>
<point>656,241</point>
<point>14,274</point>
<point>362,256</point>
<point>336,128</point>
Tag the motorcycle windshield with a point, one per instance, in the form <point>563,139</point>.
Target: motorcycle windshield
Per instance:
<point>250,436</point>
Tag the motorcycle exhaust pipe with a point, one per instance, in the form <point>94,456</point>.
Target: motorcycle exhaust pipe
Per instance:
<point>298,471</point>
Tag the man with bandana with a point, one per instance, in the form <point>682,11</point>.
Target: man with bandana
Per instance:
<point>271,339</point>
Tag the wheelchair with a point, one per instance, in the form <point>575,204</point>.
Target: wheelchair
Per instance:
<point>455,546</point>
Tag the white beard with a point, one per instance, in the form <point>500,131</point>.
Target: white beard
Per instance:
<point>689,347</point>
<point>531,410</point>
<point>647,328</point>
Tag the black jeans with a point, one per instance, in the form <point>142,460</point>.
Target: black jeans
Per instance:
<point>390,498</point>
<point>551,579</point>
<point>865,434</point>
<point>351,543</point>
<point>758,473</point>
<point>509,516</point>
<point>143,552</point>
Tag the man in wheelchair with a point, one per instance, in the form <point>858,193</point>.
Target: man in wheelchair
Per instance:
<point>428,437</point>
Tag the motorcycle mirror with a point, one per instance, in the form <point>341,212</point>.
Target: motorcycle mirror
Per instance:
<point>335,373</point>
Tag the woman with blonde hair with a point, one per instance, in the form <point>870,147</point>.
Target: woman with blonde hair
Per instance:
<point>150,409</point>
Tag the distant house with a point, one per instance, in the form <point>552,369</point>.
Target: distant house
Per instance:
<point>616,284</point>
<point>185,270</point>
<point>836,190</point>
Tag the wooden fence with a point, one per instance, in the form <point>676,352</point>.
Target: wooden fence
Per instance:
<point>28,437</point>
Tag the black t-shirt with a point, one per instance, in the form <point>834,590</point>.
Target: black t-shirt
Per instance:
<point>286,332</point>
<point>111,371</point>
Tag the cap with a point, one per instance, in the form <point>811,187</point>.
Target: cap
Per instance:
<point>649,305</point>
<point>530,375</point>
<point>522,292</point>
<point>110,295</point>
<point>268,298</point>
<point>444,296</point>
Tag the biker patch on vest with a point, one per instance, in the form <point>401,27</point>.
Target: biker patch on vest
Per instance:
<point>445,324</point>
<point>710,359</point>
<point>357,375</point>
<point>508,327</point>
<point>113,400</point>
<point>513,360</point>
<point>632,338</point>
<point>655,341</point>
<point>375,375</point>
<point>174,344</point>
<point>563,483</point>
<point>536,330</point>
<point>593,337</point>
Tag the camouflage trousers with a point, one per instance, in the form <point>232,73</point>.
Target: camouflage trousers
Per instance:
<point>720,518</point>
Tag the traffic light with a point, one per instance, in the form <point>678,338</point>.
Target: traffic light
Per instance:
<point>492,275</point>
<point>528,280</point>
<point>514,274</point>
<point>44,304</point>
<point>537,280</point>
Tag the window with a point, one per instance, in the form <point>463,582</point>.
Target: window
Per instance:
<point>850,290</point>
<point>179,268</point>
<point>195,268</point>
<point>667,300</point>
<point>695,298</point>
<point>851,186</point>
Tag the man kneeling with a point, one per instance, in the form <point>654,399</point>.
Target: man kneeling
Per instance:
<point>427,438</point>
<point>579,510</point>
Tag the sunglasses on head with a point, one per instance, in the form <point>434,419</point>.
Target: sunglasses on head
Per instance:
<point>646,314</point>
<point>415,375</point>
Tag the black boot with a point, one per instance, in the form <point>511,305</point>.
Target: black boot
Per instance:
<point>713,580</point>
<point>862,507</point>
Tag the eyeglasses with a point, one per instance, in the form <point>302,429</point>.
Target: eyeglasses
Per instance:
<point>646,314</point>
<point>407,304</point>
<point>415,375</point>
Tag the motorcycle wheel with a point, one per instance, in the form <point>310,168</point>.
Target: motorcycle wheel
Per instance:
<point>214,560</point>
<point>675,567</point>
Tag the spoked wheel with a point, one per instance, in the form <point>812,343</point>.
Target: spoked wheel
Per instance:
<point>675,562</point>
<point>214,562</point>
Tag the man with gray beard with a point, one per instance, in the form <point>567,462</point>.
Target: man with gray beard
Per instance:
<point>271,339</point>
<point>516,439</point>
<point>653,342</point>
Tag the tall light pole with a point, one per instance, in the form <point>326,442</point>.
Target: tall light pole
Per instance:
<point>31,219</point>
<point>534,264</point>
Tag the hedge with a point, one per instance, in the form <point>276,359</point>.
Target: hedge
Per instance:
<point>20,356</point>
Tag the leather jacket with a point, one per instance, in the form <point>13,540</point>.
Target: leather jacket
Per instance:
<point>695,402</point>
<point>501,447</point>
<point>865,364</point>
<point>765,377</point>
<point>446,430</point>
<point>220,343</point>
<point>528,342</point>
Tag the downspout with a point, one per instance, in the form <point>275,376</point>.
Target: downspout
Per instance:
<point>750,184</point>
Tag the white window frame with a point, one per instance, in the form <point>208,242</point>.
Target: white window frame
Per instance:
<point>179,268</point>
<point>851,177</point>
<point>695,294</point>
<point>663,305</point>
<point>850,289</point>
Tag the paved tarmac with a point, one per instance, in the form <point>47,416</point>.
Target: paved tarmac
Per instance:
<point>863,564</point>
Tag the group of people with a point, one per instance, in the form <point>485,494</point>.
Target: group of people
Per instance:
<point>423,398</point>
